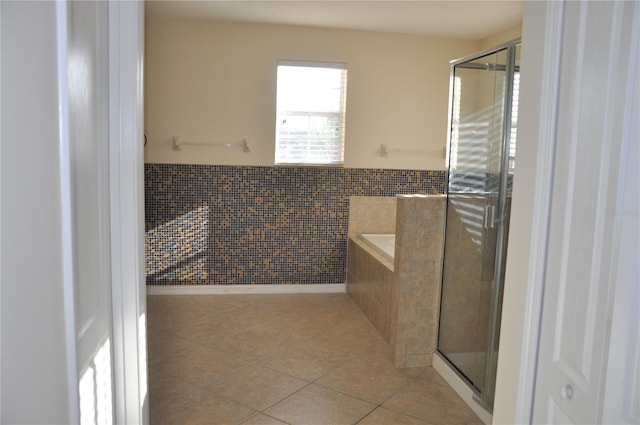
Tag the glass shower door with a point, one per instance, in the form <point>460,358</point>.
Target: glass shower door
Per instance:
<point>477,214</point>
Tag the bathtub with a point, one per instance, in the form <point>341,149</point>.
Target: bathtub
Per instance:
<point>383,242</point>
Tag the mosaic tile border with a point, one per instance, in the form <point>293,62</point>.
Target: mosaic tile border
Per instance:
<point>234,225</point>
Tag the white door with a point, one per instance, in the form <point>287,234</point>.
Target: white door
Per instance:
<point>88,148</point>
<point>588,364</point>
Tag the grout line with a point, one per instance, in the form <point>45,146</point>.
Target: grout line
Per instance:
<point>367,414</point>
<point>273,417</point>
<point>349,395</point>
<point>283,399</point>
<point>286,374</point>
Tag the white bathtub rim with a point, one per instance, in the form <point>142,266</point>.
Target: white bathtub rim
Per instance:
<point>383,242</point>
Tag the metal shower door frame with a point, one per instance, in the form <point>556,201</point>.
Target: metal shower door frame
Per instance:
<point>485,395</point>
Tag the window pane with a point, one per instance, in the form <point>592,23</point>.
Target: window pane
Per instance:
<point>310,114</point>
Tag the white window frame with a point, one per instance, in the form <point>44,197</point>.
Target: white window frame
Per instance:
<point>280,158</point>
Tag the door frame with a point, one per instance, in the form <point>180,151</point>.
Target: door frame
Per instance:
<point>516,364</point>
<point>542,32</point>
<point>531,202</point>
<point>521,318</point>
<point>126,167</point>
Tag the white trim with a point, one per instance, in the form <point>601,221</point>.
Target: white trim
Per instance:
<point>126,43</point>
<point>526,256</point>
<point>543,186</point>
<point>0,239</point>
<point>329,288</point>
<point>66,225</point>
<point>460,387</point>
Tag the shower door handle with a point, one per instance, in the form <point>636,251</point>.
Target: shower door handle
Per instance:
<point>489,216</point>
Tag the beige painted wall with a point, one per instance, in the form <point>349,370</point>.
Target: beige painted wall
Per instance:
<point>501,37</point>
<point>215,82</point>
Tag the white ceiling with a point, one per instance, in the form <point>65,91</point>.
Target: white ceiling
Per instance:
<point>474,19</point>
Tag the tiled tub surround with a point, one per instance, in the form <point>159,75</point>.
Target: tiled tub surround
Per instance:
<point>400,297</point>
<point>372,214</point>
<point>221,225</point>
<point>370,284</point>
<point>369,272</point>
<point>384,242</point>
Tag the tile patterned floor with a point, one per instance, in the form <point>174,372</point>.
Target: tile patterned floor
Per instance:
<point>283,359</point>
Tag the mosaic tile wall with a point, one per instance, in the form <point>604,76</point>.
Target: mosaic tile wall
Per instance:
<point>230,225</point>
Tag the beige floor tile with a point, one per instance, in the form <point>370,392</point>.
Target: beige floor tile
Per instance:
<point>430,375</point>
<point>380,356</point>
<point>166,322</point>
<point>218,410</point>
<point>175,412</point>
<point>177,314</point>
<point>351,337</point>
<point>348,346</point>
<point>160,320</point>
<point>414,372</point>
<point>181,312</point>
<point>164,387</point>
<point>315,405</point>
<point>366,382</point>
<point>288,335</point>
<point>303,363</point>
<point>261,419</point>
<point>382,416</point>
<point>432,403</point>
<point>191,302</point>
<point>207,330</point>
<point>298,322</point>
<point>247,316</point>
<point>321,306</point>
<point>278,304</point>
<point>222,359</point>
<point>382,359</point>
<point>162,345</point>
<point>256,342</point>
<point>202,366</point>
<point>256,387</point>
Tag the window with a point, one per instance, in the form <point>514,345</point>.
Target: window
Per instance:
<point>310,113</point>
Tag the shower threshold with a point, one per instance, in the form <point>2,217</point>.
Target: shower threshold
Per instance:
<point>461,385</point>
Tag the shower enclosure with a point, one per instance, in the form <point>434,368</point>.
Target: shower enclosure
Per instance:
<point>481,161</point>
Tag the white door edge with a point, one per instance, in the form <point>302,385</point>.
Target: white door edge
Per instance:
<point>126,41</point>
<point>540,227</point>
<point>66,226</point>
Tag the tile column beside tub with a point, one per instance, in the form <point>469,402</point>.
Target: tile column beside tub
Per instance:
<point>401,297</point>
